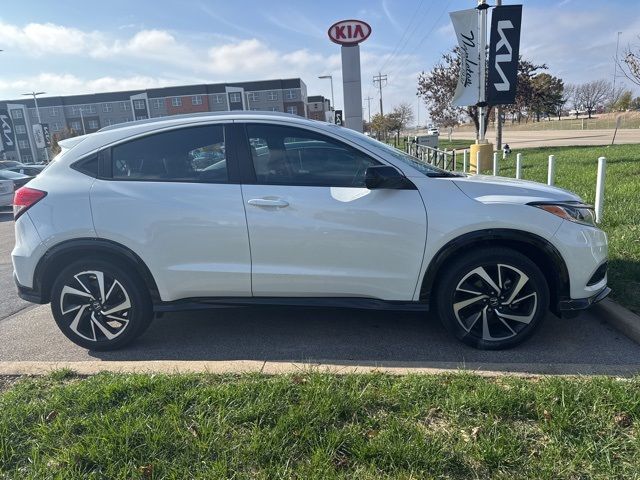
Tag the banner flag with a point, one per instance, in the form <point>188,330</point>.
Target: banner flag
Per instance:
<point>504,49</point>
<point>8,143</point>
<point>465,24</point>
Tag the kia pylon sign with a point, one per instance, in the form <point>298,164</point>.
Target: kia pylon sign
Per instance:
<point>349,32</point>
<point>504,50</point>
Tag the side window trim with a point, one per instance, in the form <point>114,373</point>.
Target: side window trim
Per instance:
<point>247,169</point>
<point>233,177</point>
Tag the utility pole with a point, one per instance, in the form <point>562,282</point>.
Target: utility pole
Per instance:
<point>379,79</point>
<point>368,99</point>
<point>482,104</point>
<point>499,111</point>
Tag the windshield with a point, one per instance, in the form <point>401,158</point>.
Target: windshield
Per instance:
<point>428,170</point>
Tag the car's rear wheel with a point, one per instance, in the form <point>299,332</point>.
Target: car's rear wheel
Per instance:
<point>492,298</point>
<point>100,305</point>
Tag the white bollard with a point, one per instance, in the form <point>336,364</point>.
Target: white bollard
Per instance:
<point>495,164</point>
<point>477,162</point>
<point>602,170</point>
<point>552,170</point>
<point>465,161</point>
<point>519,166</point>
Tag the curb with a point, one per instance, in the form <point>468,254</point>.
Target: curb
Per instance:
<point>620,318</point>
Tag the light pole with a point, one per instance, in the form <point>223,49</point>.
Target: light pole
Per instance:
<point>35,100</point>
<point>330,77</point>
<point>84,131</point>
<point>615,65</point>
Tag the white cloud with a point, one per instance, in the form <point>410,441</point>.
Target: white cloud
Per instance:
<point>36,39</point>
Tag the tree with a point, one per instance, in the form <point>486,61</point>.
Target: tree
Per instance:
<point>379,125</point>
<point>399,118</point>
<point>630,64</point>
<point>568,93</point>
<point>54,149</point>
<point>546,94</point>
<point>593,94</point>
<point>635,104</point>
<point>525,89</point>
<point>624,102</point>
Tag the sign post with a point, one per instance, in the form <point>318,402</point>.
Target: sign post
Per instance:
<point>349,34</point>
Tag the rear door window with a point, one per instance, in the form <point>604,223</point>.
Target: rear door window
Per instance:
<point>194,154</point>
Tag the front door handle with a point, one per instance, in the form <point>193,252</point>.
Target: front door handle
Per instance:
<point>268,202</point>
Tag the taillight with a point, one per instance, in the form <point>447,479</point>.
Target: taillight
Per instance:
<point>24,199</point>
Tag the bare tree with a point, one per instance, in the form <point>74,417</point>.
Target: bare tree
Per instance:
<point>593,94</point>
<point>399,118</point>
<point>630,64</point>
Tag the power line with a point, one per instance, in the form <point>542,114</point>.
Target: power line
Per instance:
<point>379,79</point>
<point>368,99</point>
<point>396,48</point>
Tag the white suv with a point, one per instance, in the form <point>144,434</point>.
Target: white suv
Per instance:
<point>260,208</point>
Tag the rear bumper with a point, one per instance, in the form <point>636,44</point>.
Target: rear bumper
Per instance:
<point>29,294</point>
<point>572,305</point>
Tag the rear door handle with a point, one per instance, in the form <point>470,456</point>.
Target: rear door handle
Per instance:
<point>268,202</point>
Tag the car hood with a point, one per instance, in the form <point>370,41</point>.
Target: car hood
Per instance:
<point>490,189</point>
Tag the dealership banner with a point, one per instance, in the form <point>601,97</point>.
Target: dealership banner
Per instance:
<point>7,143</point>
<point>38,135</point>
<point>465,24</point>
<point>504,49</point>
<point>47,134</point>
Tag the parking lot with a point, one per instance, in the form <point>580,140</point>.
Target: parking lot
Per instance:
<point>585,344</point>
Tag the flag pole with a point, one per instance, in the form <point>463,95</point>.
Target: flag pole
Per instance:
<point>482,59</point>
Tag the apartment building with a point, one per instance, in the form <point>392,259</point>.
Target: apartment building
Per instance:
<point>89,113</point>
<point>317,108</point>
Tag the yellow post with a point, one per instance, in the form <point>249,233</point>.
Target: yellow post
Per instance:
<point>486,157</point>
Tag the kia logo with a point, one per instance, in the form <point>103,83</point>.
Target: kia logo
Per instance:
<point>503,86</point>
<point>349,32</point>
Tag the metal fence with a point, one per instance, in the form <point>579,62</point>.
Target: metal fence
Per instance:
<point>440,158</point>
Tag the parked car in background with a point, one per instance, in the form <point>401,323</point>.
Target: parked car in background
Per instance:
<point>29,170</point>
<point>433,131</point>
<point>6,193</point>
<point>9,164</point>
<point>128,221</point>
<point>18,179</point>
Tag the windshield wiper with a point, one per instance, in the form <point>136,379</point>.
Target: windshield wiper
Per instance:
<point>442,174</point>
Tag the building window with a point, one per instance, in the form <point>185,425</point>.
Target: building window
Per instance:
<point>142,117</point>
<point>53,112</point>
<point>289,94</point>
<point>23,144</point>
<point>125,106</point>
<point>107,107</point>
<point>108,122</point>
<point>138,104</point>
<point>176,101</point>
<point>92,124</point>
<point>253,96</point>
<point>292,109</point>
<point>272,95</point>
<point>89,109</point>
<point>26,158</point>
<point>16,114</point>
<point>55,126</point>
<point>219,99</point>
<point>156,103</point>
<point>196,100</point>
<point>274,109</point>
<point>75,110</point>
<point>21,129</point>
<point>235,97</point>
<point>76,126</point>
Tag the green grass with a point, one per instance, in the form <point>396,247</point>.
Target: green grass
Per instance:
<point>576,169</point>
<point>318,426</point>
<point>598,122</point>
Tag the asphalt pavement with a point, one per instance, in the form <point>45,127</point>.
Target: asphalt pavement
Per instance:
<point>338,337</point>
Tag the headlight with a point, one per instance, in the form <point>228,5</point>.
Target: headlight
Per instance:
<point>574,212</point>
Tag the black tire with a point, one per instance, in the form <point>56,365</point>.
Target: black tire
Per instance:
<point>473,311</point>
<point>95,323</point>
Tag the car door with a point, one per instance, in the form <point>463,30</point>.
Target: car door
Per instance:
<point>174,198</point>
<point>315,230</point>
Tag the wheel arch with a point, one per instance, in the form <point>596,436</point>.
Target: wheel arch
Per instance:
<point>65,252</point>
<point>541,251</point>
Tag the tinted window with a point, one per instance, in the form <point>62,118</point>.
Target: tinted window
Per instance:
<point>292,156</point>
<point>88,166</point>
<point>195,154</point>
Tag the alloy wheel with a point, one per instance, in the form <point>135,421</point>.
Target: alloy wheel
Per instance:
<point>495,302</point>
<point>96,306</point>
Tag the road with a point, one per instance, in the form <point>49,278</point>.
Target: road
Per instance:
<point>329,336</point>
<point>9,301</point>
<point>556,138</point>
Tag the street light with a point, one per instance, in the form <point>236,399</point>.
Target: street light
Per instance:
<point>35,100</point>
<point>330,77</point>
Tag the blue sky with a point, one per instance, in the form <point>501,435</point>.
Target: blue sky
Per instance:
<point>70,46</point>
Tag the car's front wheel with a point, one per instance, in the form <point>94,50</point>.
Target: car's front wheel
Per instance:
<point>100,305</point>
<point>492,298</point>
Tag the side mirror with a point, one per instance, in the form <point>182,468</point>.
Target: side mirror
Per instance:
<point>384,176</point>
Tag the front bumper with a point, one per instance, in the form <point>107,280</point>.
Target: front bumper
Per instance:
<point>573,305</point>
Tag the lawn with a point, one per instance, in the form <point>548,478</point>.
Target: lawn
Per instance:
<point>319,426</point>
<point>576,169</point>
